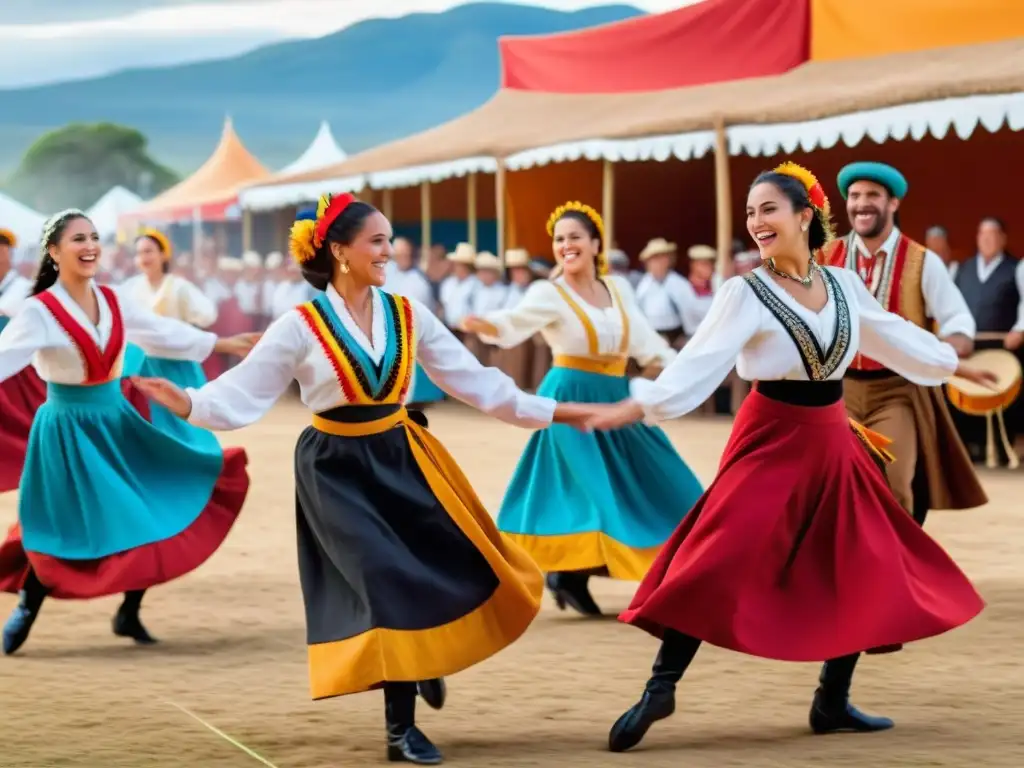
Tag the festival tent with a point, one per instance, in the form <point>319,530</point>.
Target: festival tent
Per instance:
<point>322,153</point>
<point>26,224</point>
<point>211,193</point>
<point>106,211</point>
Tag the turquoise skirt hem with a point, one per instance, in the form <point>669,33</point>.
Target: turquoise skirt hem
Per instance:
<point>99,479</point>
<point>629,484</point>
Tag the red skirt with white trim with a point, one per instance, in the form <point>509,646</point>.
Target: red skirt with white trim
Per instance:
<point>798,550</point>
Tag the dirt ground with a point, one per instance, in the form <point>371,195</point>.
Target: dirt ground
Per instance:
<point>232,654</point>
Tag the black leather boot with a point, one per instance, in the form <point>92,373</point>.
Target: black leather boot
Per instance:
<point>127,622</point>
<point>571,588</point>
<point>659,697</point>
<point>406,742</point>
<point>19,624</point>
<point>433,692</point>
<point>831,711</point>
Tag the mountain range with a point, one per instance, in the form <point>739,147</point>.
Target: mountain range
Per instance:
<point>374,81</point>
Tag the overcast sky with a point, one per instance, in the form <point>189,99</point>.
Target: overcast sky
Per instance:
<point>55,40</point>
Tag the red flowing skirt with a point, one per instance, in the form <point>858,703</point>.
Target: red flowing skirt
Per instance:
<point>141,567</point>
<point>20,398</point>
<point>798,551</point>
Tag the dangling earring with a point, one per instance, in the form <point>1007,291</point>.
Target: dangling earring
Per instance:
<point>343,266</point>
<point>56,265</point>
<point>803,227</point>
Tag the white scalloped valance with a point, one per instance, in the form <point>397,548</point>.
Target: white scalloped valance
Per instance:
<point>684,146</point>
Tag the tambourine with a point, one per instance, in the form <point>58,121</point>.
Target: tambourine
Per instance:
<point>990,401</point>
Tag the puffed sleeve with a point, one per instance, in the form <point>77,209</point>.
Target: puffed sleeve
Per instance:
<point>243,394</point>
<point>164,336</point>
<point>539,308</point>
<point>26,334</point>
<point>199,310</point>
<point>455,370</point>
<point>702,365</point>
<point>912,352</point>
<point>645,344</point>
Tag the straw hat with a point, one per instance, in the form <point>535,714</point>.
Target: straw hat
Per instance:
<point>464,253</point>
<point>274,260</point>
<point>487,260</point>
<point>251,259</point>
<point>657,247</point>
<point>517,257</point>
<point>228,264</point>
<point>702,253</point>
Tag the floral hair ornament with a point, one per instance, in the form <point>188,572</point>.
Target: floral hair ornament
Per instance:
<point>161,241</point>
<point>815,194</point>
<point>309,231</point>
<point>595,218</point>
<point>8,237</point>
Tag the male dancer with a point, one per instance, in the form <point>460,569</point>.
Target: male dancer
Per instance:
<point>932,469</point>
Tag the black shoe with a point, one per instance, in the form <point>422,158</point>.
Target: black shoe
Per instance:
<point>571,589</point>
<point>128,624</point>
<point>18,625</point>
<point>410,745</point>
<point>630,729</point>
<point>839,716</point>
<point>433,692</point>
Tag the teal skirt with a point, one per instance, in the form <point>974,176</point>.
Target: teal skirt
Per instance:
<point>109,502</point>
<point>599,500</point>
<point>422,389</point>
<point>184,373</point>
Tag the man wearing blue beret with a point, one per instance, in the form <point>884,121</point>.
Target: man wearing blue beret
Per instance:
<point>932,469</point>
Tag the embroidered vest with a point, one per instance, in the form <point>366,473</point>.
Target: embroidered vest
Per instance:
<point>101,365</point>
<point>899,285</point>
<point>818,363</point>
<point>362,381</point>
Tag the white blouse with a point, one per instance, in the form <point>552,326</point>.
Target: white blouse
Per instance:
<point>488,298</point>
<point>249,293</point>
<point>14,289</point>
<point>740,330</point>
<point>176,297</point>
<point>35,336</point>
<point>457,298</point>
<point>288,350</point>
<point>543,309</point>
<point>411,283</point>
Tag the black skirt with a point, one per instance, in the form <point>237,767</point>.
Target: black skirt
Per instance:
<point>404,575</point>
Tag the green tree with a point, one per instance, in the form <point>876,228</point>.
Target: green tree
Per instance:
<point>73,166</point>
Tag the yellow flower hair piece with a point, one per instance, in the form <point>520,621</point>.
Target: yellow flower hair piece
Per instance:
<point>9,236</point>
<point>595,217</point>
<point>161,240</point>
<point>815,193</point>
<point>300,240</point>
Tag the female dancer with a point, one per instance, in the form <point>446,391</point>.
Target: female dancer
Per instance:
<point>404,576</point>
<point>21,395</point>
<point>169,296</point>
<point>108,503</point>
<point>585,504</point>
<point>798,551</point>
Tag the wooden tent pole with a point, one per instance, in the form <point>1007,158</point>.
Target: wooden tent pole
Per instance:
<point>499,205</point>
<point>723,200</point>
<point>388,203</point>
<point>246,230</point>
<point>471,228</point>
<point>425,221</point>
<point>608,203</point>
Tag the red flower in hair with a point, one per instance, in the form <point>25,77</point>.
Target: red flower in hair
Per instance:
<point>329,209</point>
<point>817,196</point>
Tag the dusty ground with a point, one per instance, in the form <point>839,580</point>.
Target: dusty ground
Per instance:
<point>233,654</point>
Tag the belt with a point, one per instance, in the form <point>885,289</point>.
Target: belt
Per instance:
<point>338,423</point>
<point>606,366</point>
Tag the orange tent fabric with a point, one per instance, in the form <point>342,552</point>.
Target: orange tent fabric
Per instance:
<point>710,42</point>
<point>841,29</point>
<point>212,189</point>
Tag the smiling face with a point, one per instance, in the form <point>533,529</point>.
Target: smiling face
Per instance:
<point>148,257</point>
<point>77,250</point>
<point>369,252</point>
<point>773,224</point>
<point>870,208</point>
<point>574,247</point>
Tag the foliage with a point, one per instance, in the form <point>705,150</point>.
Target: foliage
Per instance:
<point>73,166</point>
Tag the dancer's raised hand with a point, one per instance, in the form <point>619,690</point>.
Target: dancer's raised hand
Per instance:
<point>166,393</point>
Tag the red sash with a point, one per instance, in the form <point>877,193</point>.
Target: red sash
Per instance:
<point>99,364</point>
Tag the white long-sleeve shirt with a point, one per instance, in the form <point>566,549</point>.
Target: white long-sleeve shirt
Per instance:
<point>35,336</point>
<point>175,297</point>
<point>672,303</point>
<point>14,290</point>
<point>288,350</point>
<point>741,331</point>
<point>457,298</point>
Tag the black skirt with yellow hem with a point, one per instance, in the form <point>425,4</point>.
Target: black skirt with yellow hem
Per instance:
<point>404,574</point>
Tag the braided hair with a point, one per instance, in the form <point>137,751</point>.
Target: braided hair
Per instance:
<point>53,230</point>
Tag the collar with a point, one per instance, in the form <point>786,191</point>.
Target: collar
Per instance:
<point>889,246</point>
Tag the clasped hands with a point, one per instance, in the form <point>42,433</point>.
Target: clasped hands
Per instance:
<point>589,417</point>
